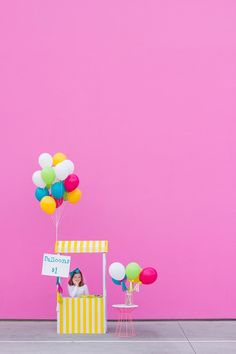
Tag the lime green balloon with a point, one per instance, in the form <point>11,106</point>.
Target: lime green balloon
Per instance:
<point>132,270</point>
<point>65,196</point>
<point>48,175</point>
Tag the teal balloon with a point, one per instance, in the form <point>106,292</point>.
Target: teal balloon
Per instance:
<point>117,282</point>
<point>48,175</point>
<point>58,190</point>
<point>40,193</point>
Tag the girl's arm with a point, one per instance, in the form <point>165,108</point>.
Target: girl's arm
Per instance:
<point>86,292</point>
<point>72,290</point>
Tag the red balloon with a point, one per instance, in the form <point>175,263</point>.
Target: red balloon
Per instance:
<point>71,182</point>
<point>58,202</point>
<point>148,275</point>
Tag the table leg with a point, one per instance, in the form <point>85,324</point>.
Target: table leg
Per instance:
<point>131,324</point>
<point>118,324</point>
<point>125,325</point>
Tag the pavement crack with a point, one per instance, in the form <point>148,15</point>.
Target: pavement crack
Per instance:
<point>186,337</point>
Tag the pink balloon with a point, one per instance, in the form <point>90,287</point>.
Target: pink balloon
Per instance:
<point>71,182</point>
<point>58,202</point>
<point>148,275</point>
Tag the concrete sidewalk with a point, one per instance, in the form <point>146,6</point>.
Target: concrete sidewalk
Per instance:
<point>153,337</point>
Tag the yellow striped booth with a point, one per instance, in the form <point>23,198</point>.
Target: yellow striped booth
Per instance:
<point>85,314</point>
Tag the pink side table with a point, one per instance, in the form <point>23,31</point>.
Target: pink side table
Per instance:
<point>125,325</point>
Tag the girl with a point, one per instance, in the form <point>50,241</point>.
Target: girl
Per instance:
<point>76,286</point>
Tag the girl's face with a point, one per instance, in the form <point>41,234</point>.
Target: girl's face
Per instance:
<point>77,279</point>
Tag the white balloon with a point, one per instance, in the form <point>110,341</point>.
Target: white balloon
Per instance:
<point>56,179</point>
<point>37,179</point>
<point>69,165</point>
<point>117,271</point>
<point>45,160</point>
<point>61,171</point>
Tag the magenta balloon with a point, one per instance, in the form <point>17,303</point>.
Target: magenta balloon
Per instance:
<point>148,275</point>
<point>71,182</point>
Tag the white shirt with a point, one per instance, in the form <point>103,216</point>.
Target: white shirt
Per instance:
<point>75,291</point>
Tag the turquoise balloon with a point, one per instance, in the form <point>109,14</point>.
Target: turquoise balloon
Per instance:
<point>58,190</point>
<point>117,282</point>
<point>40,193</point>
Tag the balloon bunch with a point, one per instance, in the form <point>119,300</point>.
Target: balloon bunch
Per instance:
<point>55,182</point>
<point>132,272</point>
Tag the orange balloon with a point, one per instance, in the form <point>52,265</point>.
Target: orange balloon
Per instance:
<point>74,196</point>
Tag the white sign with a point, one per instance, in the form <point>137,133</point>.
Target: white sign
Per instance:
<point>56,265</point>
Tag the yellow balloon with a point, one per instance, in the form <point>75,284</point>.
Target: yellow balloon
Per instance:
<point>74,196</point>
<point>48,205</point>
<point>58,157</point>
<point>136,280</point>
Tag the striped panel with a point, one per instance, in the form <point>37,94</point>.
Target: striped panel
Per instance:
<point>81,315</point>
<point>81,246</point>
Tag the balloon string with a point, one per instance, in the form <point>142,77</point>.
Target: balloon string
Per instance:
<point>56,218</point>
<point>130,286</point>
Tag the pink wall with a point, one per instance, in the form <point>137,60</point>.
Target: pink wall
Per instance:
<point>141,96</point>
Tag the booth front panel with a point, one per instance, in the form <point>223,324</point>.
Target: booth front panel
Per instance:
<point>81,315</point>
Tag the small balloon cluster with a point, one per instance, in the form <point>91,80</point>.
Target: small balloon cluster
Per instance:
<point>132,272</point>
<point>55,182</point>
<point>59,290</point>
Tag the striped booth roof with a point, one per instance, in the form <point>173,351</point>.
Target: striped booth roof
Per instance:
<point>81,246</point>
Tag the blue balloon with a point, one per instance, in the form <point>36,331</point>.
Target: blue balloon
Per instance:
<point>58,190</point>
<point>124,287</point>
<point>117,282</point>
<point>40,193</point>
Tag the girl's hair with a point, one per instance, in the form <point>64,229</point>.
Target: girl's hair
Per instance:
<point>70,282</point>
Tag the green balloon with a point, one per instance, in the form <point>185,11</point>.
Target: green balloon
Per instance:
<point>65,197</point>
<point>132,270</point>
<point>48,175</point>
